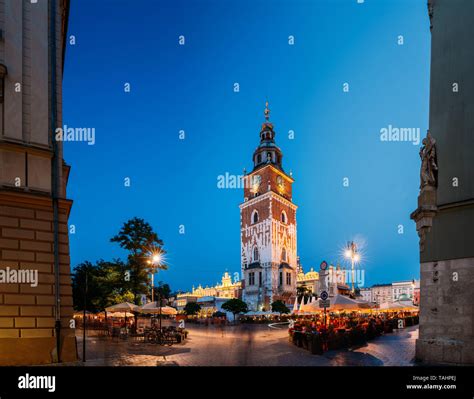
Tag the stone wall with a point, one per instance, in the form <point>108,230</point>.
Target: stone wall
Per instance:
<point>27,312</point>
<point>447,312</point>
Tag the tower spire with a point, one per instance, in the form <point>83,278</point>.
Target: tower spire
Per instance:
<point>267,112</point>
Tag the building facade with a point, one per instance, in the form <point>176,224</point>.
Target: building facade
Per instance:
<point>34,316</point>
<point>445,214</point>
<point>403,290</point>
<point>382,293</point>
<point>416,293</point>
<point>366,294</point>
<point>309,281</point>
<point>268,227</point>
<point>210,297</point>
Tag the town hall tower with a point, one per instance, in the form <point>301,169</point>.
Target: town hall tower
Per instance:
<point>268,227</point>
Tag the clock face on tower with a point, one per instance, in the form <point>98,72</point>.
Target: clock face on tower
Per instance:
<point>280,181</point>
<point>256,180</point>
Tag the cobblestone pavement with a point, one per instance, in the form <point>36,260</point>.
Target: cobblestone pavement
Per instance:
<point>247,345</point>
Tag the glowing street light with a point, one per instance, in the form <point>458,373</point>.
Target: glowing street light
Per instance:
<point>354,256</point>
<point>155,262</point>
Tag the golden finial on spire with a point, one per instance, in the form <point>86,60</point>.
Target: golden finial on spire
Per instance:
<point>267,111</point>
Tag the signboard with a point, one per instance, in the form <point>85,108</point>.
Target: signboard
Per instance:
<point>323,274</point>
<point>324,295</point>
<point>324,303</point>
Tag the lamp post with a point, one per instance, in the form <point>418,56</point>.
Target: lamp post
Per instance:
<point>352,253</point>
<point>154,262</point>
<point>84,317</point>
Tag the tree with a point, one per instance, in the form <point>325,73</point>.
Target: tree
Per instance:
<point>192,308</point>
<point>105,285</point>
<point>280,307</point>
<point>85,290</point>
<point>235,306</point>
<point>162,290</point>
<point>303,292</point>
<point>138,238</point>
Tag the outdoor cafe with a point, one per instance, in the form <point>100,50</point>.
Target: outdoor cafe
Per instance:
<point>346,323</point>
<point>150,323</point>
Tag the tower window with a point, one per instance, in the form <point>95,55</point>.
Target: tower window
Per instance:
<point>288,278</point>
<point>255,255</point>
<point>254,217</point>
<point>252,278</point>
<point>259,279</point>
<point>284,218</point>
<point>283,255</point>
<point>281,278</point>
<point>259,158</point>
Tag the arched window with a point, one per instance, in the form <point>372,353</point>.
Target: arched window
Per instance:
<point>254,217</point>
<point>259,158</point>
<point>283,255</point>
<point>255,255</point>
<point>284,219</point>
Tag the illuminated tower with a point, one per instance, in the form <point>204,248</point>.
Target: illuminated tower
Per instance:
<point>268,227</point>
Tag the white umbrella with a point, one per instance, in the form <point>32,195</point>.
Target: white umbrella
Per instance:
<point>396,306</point>
<point>295,306</point>
<point>301,304</point>
<point>120,314</point>
<point>339,302</point>
<point>154,308</point>
<point>122,307</point>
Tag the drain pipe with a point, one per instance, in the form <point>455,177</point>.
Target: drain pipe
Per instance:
<point>55,175</point>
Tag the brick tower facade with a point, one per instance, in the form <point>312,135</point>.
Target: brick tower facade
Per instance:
<point>268,227</point>
<point>34,246</point>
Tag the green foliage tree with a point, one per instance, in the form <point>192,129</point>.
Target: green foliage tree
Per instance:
<point>105,285</point>
<point>280,307</point>
<point>85,290</point>
<point>235,306</point>
<point>303,292</point>
<point>138,238</point>
<point>192,308</point>
<point>162,290</point>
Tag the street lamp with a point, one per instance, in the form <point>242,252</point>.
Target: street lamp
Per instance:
<point>155,262</point>
<point>354,256</point>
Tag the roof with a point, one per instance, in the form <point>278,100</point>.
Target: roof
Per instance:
<point>254,265</point>
<point>206,299</point>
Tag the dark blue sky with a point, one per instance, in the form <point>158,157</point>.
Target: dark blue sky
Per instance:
<point>190,87</point>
